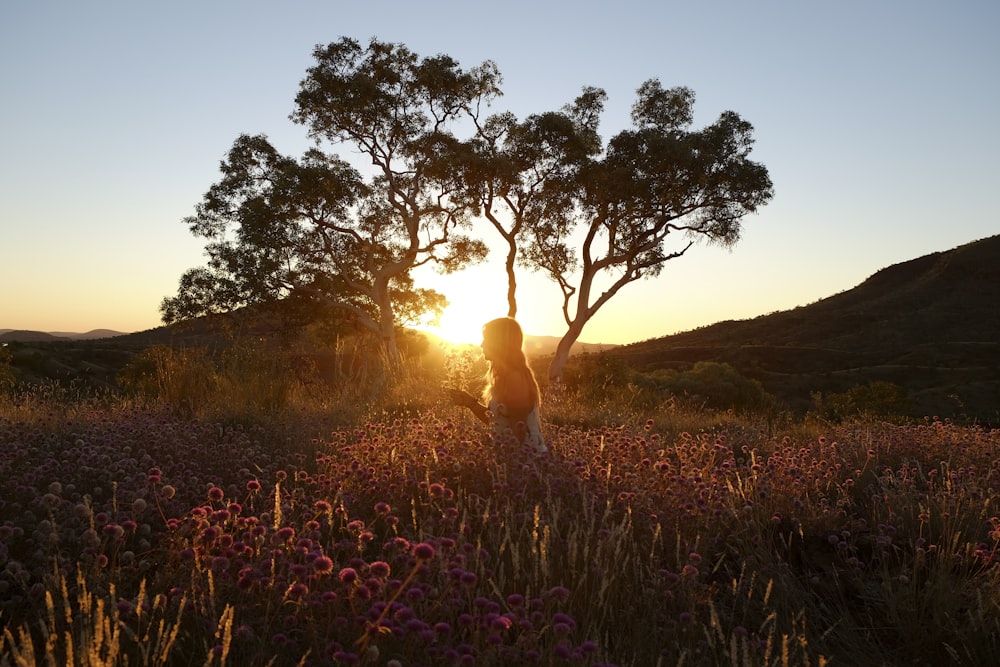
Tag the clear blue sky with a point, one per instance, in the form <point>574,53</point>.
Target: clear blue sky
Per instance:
<point>877,120</point>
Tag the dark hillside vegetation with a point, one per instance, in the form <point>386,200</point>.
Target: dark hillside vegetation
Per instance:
<point>930,325</point>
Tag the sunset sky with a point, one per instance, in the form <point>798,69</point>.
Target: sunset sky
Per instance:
<point>877,122</point>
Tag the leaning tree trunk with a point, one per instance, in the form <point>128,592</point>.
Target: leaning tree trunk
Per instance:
<point>558,364</point>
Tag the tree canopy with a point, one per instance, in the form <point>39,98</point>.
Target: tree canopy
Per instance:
<point>596,218</point>
<point>593,217</point>
<point>317,227</point>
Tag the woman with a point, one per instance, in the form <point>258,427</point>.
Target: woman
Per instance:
<point>511,393</point>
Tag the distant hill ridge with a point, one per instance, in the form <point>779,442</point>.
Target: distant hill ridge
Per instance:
<point>25,336</point>
<point>930,325</point>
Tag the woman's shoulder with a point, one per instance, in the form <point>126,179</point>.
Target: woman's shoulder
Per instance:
<point>515,392</point>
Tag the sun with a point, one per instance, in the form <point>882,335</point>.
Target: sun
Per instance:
<point>461,324</point>
<point>473,301</point>
<point>475,296</point>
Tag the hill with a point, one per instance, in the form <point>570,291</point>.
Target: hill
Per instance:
<point>930,325</point>
<point>24,336</point>
<point>539,346</point>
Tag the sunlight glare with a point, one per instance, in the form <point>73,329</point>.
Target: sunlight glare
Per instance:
<point>462,322</point>
<point>477,295</point>
<point>470,305</point>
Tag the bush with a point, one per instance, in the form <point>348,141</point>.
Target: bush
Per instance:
<point>707,384</point>
<point>878,399</point>
<point>718,385</point>
<point>6,372</point>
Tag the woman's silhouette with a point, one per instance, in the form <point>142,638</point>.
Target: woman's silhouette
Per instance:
<point>511,395</point>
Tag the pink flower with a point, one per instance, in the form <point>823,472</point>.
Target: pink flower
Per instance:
<point>323,565</point>
<point>424,551</point>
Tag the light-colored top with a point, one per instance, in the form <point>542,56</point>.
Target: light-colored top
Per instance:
<point>530,428</point>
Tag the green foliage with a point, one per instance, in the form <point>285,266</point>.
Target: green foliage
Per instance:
<point>875,399</point>
<point>6,372</point>
<point>719,385</point>
<point>709,384</point>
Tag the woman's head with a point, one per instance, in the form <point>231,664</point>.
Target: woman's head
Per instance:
<point>509,374</point>
<point>502,341</point>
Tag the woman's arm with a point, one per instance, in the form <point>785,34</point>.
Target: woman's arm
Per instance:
<point>466,400</point>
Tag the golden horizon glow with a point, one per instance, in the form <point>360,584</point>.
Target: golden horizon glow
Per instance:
<point>460,324</point>
<point>474,298</point>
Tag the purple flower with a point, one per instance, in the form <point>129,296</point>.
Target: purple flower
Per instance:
<point>501,623</point>
<point>424,551</point>
<point>296,591</point>
<point>560,618</point>
<point>559,593</point>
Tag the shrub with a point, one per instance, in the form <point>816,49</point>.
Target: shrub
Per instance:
<point>6,372</point>
<point>875,399</point>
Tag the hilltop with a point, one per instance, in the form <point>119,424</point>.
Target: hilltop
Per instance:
<point>25,336</point>
<point>930,325</point>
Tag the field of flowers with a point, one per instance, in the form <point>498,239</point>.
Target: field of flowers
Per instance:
<point>131,536</point>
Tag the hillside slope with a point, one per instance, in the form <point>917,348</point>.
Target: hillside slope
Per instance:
<point>931,325</point>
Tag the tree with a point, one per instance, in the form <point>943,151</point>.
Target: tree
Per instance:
<point>616,220</point>
<point>516,172</point>
<point>317,228</point>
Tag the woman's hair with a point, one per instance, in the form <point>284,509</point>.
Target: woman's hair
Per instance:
<point>506,338</point>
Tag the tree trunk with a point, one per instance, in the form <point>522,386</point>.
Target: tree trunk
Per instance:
<point>511,280</point>
<point>387,325</point>
<point>558,364</point>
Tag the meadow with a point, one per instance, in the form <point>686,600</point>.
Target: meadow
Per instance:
<point>210,517</point>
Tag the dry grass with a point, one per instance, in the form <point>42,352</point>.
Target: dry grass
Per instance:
<point>368,522</point>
